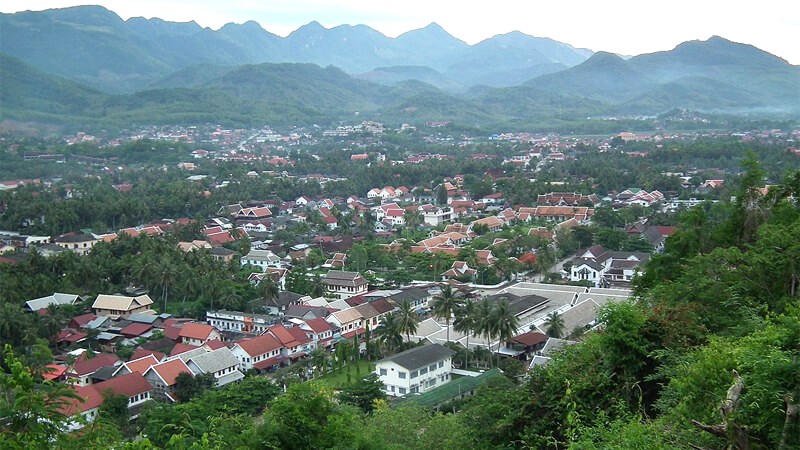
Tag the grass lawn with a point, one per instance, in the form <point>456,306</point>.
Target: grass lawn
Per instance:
<point>338,378</point>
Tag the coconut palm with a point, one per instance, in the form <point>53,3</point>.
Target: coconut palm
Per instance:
<point>166,277</point>
<point>485,325</point>
<point>445,304</point>
<point>389,332</point>
<point>505,324</point>
<point>466,321</point>
<point>554,325</point>
<point>51,323</point>
<point>268,289</point>
<point>407,319</point>
<point>317,287</point>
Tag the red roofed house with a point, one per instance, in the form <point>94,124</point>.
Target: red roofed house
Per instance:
<point>320,331</point>
<point>83,367</point>
<point>198,334</point>
<point>139,365</point>
<point>259,353</point>
<point>294,341</point>
<point>87,405</point>
<point>133,386</point>
<point>162,378</point>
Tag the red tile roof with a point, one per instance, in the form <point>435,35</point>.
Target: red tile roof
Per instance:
<point>88,398</point>
<point>181,348</point>
<point>84,366</point>
<point>135,329</point>
<point>319,325</point>
<point>142,364</point>
<point>260,345</point>
<point>214,344</point>
<point>199,331</point>
<point>530,338</point>
<point>128,385</point>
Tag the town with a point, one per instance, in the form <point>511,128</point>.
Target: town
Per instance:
<point>435,262</point>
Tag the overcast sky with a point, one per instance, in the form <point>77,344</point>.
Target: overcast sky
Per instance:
<point>628,27</point>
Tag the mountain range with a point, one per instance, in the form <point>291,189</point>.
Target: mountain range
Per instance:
<point>149,70</point>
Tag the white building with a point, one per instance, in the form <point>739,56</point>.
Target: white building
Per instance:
<point>343,284</point>
<point>416,370</point>
<point>261,259</point>
<point>437,216</point>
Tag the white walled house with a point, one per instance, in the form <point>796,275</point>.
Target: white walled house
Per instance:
<point>260,353</point>
<point>416,370</point>
<point>343,284</point>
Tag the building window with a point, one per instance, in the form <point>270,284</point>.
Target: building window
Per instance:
<point>383,372</point>
<point>402,391</point>
<point>414,374</point>
<point>441,364</point>
<point>432,367</point>
<point>402,375</point>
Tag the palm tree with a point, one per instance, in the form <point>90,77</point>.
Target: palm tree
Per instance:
<point>554,325</point>
<point>317,287</point>
<point>389,332</point>
<point>505,324</point>
<point>466,321</point>
<point>445,304</point>
<point>51,323</point>
<point>268,289</point>
<point>167,276</point>
<point>12,323</point>
<point>484,325</point>
<point>407,319</point>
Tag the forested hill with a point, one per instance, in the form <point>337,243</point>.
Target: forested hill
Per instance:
<point>706,356</point>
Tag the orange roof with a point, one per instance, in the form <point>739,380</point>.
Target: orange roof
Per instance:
<point>142,364</point>
<point>169,371</point>
<point>199,331</point>
<point>53,371</point>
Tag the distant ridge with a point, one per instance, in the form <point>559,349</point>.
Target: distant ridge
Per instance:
<point>123,56</point>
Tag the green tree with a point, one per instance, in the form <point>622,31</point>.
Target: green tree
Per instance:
<point>407,319</point>
<point>506,324</point>
<point>554,325</point>
<point>363,393</point>
<point>445,304</point>
<point>466,321</point>
<point>389,333</point>
<point>268,289</point>
<point>188,387</point>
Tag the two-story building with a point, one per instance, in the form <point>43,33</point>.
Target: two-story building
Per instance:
<point>260,353</point>
<point>416,370</point>
<point>198,334</point>
<point>344,284</point>
<point>116,306</point>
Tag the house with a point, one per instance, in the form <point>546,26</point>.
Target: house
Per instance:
<point>220,362</point>
<point>373,312</point>
<point>260,353</point>
<point>320,332</point>
<point>343,284</point>
<point>527,344</point>
<point>80,243</point>
<point>84,367</point>
<point>222,254</point>
<point>132,386</point>
<point>604,268</point>
<point>437,215</point>
<point>349,321</point>
<point>460,269</point>
<point>116,306</point>
<point>240,322</point>
<point>294,341</point>
<point>139,365</point>
<point>86,405</point>
<point>416,370</point>
<point>162,378</point>
<point>337,262</point>
<point>284,300</point>
<point>198,334</point>
<point>261,259</point>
